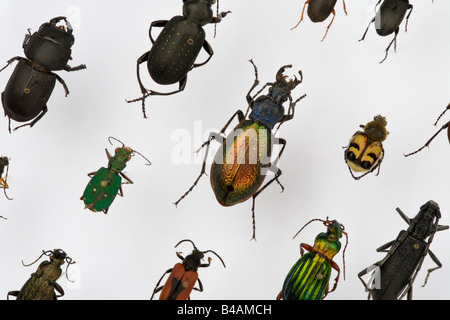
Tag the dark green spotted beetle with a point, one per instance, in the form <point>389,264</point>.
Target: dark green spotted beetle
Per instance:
<point>309,278</point>
<point>106,183</point>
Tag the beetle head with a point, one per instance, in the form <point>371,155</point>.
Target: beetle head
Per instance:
<point>193,260</point>
<point>198,11</point>
<point>280,91</point>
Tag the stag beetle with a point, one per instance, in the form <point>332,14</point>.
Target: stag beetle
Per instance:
<point>32,82</point>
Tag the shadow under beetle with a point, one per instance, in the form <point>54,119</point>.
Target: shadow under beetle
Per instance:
<point>241,163</point>
<point>42,284</point>
<point>309,278</point>
<point>174,51</point>
<point>32,82</point>
<point>319,11</point>
<point>365,151</point>
<point>445,126</point>
<point>106,183</point>
<point>388,19</point>
<point>183,276</point>
<point>393,277</point>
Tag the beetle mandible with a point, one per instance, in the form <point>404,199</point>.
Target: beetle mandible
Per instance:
<point>106,183</point>
<point>309,278</point>
<point>445,126</point>
<point>393,277</point>
<point>183,276</point>
<point>388,19</point>
<point>237,176</point>
<point>32,82</point>
<point>319,11</point>
<point>175,50</point>
<point>42,284</point>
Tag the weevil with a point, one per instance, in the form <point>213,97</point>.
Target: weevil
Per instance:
<point>388,19</point>
<point>175,50</point>
<point>309,278</point>
<point>393,277</point>
<point>42,284</point>
<point>183,276</point>
<point>365,151</point>
<point>106,183</point>
<point>319,11</point>
<point>445,126</point>
<point>32,82</point>
<point>244,158</point>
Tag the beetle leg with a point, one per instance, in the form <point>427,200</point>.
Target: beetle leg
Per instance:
<point>303,11</point>
<point>385,246</point>
<point>345,9</point>
<point>291,111</point>
<point>63,83</point>
<point>367,29</point>
<point>126,178</point>
<point>220,139</point>
<point>219,17</point>
<point>326,32</point>
<point>207,47</point>
<point>427,144</point>
<point>69,68</point>
<point>157,289</point>
<point>390,44</point>
<point>438,263</point>
<point>277,175</point>
<point>336,280</point>
<point>11,61</point>
<point>59,289</point>
<point>410,8</point>
<point>200,286</point>
<point>12,293</point>
<point>404,216</point>
<point>212,136</point>
<point>159,24</point>
<point>32,123</point>
<point>304,246</point>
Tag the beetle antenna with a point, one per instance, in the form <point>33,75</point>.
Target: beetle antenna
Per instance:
<point>47,253</point>
<point>109,139</point>
<point>427,144</point>
<point>217,256</point>
<point>6,179</point>
<point>149,163</point>
<point>309,223</point>
<point>187,241</point>
<point>448,107</point>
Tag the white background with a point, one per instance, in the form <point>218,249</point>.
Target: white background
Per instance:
<point>123,254</point>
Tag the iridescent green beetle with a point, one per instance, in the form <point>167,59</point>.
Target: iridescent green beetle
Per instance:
<point>309,278</point>
<point>106,183</point>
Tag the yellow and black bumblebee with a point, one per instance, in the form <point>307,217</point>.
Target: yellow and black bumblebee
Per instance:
<point>365,151</point>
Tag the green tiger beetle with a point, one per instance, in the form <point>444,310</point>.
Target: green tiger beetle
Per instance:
<point>244,158</point>
<point>106,183</point>
<point>309,278</point>
<point>42,284</point>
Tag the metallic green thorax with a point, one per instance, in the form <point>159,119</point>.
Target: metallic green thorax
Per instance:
<point>105,184</point>
<point>309,278</point>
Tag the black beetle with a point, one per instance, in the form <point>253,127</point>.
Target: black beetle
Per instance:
<point>445,126</point>
<point>32,82</point>
<point>393,277</point>
<point>174,52</point>
<point>319,10</point>
<point>42,284</point>
<point>388,19</point>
